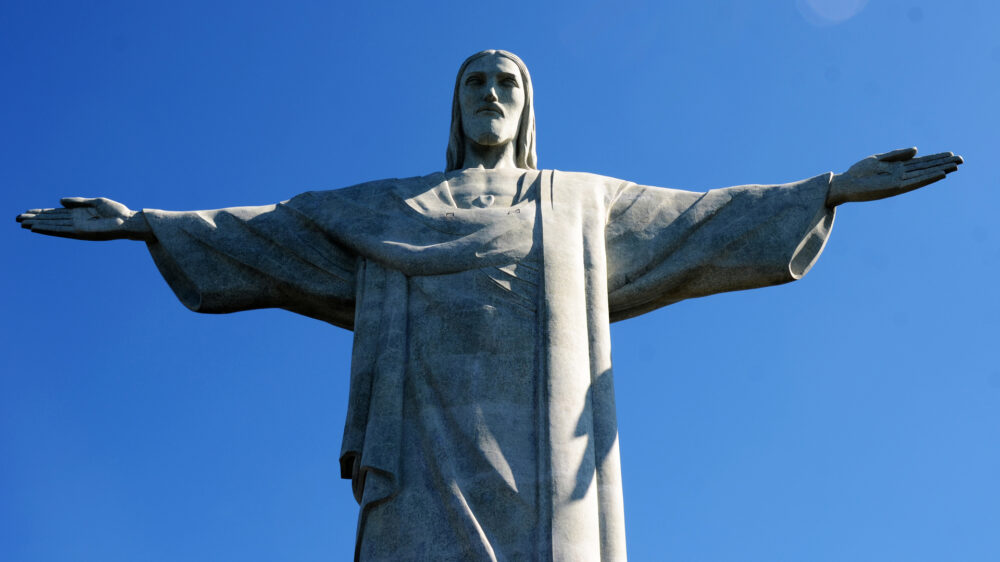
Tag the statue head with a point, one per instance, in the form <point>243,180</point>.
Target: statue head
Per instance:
<point>492,120</point>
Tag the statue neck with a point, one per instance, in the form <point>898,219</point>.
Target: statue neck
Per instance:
<point>489,157</point>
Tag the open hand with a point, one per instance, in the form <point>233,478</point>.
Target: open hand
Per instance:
<point>890,173</point>
<point>86,219</point>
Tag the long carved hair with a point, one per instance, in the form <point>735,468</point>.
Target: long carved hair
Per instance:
<point>524,144</point>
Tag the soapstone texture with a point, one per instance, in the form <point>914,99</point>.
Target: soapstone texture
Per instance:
<point>481,422</point>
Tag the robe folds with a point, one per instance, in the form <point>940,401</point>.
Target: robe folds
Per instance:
<point>481,421</point>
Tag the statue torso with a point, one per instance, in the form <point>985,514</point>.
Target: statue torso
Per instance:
<point>470,399</point>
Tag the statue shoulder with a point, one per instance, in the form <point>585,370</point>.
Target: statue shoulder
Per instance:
<point>369,191</point>
<point>586,178</point>
<point>605,187</point>
<point>581,176</point>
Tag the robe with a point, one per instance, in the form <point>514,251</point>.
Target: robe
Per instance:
<point>481,423</point>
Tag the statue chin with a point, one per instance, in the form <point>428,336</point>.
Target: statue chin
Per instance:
<point>488,138</point>
<point>489,134</point>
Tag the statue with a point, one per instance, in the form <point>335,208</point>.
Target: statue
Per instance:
<point>481,423</point>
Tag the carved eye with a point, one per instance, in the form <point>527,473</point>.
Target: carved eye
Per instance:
<point>510,82</point>
<point>473,81</point>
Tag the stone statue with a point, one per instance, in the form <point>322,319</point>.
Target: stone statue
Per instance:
<point>481,423</point>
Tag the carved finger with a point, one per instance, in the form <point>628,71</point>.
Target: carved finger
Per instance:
<point>897,155</point>
<point>47,228</point>
<point>45,219</point>
<point>923,165</point>
<point>932,157</point>
<point>920,163</point>
<point>50,222</point>
<point>946,167</point>
<point>920,181</point>
<point>55,214</point>
<point>43,213</point>
<point>36,226</point>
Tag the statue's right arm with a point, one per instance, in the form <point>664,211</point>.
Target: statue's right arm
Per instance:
<point>88,219</point>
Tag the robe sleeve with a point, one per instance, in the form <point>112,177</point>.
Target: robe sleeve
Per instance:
<point>245,258</point>
<point>666,245</point>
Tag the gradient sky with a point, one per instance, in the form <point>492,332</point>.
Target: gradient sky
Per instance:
<point>853,415</point>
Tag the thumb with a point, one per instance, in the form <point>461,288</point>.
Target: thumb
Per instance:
<point>74,202</point>
<point>897,155</point>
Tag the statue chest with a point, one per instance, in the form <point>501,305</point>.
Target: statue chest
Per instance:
<point>476,188</point>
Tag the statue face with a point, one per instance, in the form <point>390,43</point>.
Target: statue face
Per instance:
<point>491,97</point>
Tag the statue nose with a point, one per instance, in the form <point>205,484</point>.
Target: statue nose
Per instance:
<point>491,95</point>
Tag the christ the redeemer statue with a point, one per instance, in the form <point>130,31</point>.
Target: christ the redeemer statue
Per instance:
<point>481,423</point>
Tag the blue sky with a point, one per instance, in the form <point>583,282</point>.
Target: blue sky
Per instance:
<point>853,415</point>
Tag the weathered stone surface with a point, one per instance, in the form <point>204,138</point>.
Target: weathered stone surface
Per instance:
<point>481,422</point>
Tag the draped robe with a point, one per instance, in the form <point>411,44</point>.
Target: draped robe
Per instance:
<point>481,421</point>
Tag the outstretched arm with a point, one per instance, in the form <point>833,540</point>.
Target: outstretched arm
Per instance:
<point>224,260</point>
<point>888,174</point>
<point>88,219</point>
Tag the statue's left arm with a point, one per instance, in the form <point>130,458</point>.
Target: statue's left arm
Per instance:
<point>666,245</point>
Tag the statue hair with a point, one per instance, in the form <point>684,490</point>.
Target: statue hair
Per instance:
<point>524,144</point>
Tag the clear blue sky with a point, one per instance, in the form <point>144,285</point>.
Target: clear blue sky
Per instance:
<point>851,416</point>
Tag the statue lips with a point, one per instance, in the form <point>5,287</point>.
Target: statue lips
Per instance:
<point>491,108</point>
